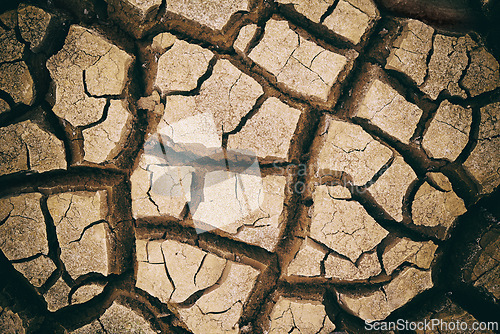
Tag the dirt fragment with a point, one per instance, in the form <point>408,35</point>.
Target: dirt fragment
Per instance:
<point>162,42</point>
<point>220,309</point>
<point>10,48</point>
<point>244,37</point>
<point>24,222</point>
<point>409,52</point>
<point>351,19</point>
<point>268,134</point>
<point>16,80</point>
<point>85,293</point>
<point>80,220</point>
<point>307,261</point>
<point>483,73</point>
<point>343,226</point>
<point>432,207</point>
<point>299,316</point>
<point>486,269</point>
<point>449,312</point>
<point>448,132</point>
<point>37,271</point>
<point>33,24</point>
<point>4,106</point>
<point>117,319</point>
<point>10,322</point>
<point>181,66</point>
<point>87,68</point>
<point>102,140</point>
<point>348,148</point>
<point>448,61</point>
<point>212,13</point>
<point>25,146</point>
<point>340,268</point>
<point>382,106</point>
<point>402,250</point>
<point>377,305</point>
<point>301,65</point>
<point>313,10</point>
<point>481,163</point>
<point>390,189</point>
<point>57,296</point>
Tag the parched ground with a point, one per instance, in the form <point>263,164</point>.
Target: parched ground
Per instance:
<point>248,166</point>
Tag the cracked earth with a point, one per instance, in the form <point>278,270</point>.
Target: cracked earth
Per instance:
<point>248,166</point>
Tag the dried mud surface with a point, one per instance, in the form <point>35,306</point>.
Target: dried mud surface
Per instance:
<point>257,166</point>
